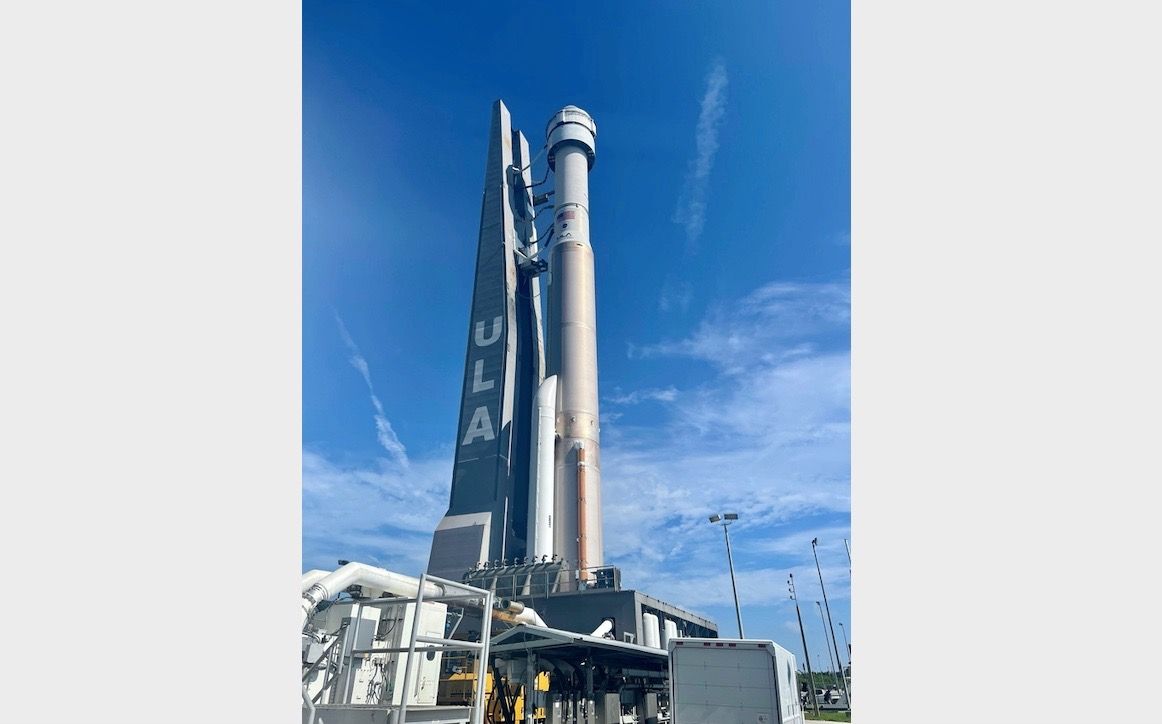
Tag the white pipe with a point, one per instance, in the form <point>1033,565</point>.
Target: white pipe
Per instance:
<point>530,617</point>
<point>518,613</point>
<point>605,627</point>
<point>359,574</point>
<point>543,465</point>
<point>311,577</point>
<point>309,704</point>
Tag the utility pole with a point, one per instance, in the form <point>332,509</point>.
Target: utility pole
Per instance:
<point>803,637</point>
<point>814,542</point>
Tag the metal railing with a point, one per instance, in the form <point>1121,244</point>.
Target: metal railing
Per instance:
<point>533,580</point>
<point>451,645</point>
<point>456,592</point>
<point>329,677</point>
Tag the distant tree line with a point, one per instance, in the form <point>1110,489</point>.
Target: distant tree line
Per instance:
<point>823,679</point>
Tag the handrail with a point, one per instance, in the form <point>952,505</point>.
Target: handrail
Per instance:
<point>325,654</point>
<point>310,706</point>
<point>427,589</point>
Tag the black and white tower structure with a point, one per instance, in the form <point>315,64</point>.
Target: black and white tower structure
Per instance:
<point>487,516</point>
<point>524,518</point>
<point>526,482</point>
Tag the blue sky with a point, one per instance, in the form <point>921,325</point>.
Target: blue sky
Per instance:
<point>720,225</point>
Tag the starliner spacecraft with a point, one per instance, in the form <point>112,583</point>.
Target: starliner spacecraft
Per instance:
<point>526,483</point>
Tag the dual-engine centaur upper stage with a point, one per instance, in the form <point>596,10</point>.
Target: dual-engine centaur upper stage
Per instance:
<point>527,475</point>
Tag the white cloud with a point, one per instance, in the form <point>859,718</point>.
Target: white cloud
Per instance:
<point>767,434</point>
<point>669,394</point>
<point>830,541</point>
<point>691,212</point>
<point>378,512</point>
<point>383,430</point>
<point>757,587</point>
<point>382,512</point>
<point>675,295</point>
<point>775,322</point>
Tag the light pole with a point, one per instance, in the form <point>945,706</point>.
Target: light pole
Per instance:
<point>834,643</point>
<point>830,657</point>
<point>803,636</point>
<point>846,680</point>
<point>726,519</point>
<point>846,642</point>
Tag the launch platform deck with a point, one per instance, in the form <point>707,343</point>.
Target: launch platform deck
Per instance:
<point>373,714</point>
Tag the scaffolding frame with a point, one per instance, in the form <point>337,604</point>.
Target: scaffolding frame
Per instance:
<point>455,593</point>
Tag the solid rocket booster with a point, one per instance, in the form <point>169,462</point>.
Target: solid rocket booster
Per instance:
<point>542,464</point>
<point>577,523</point>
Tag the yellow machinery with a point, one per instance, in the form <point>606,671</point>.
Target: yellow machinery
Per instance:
<point>504,703</point>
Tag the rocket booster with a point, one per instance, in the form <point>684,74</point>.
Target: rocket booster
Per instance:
<point>577,522</point>
<point>527,476</point>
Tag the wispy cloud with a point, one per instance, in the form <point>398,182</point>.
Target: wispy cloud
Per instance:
<point>775,323</point>
<point>669,394</point>
<point>383,430</point>
<point>376,512</point>
<point>766,433</point>
<point>675,295</point>
<point>691,212</point>
<point>381,511</point>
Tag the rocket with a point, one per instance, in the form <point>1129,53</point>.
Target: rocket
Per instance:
<point>572,351</point>
<point>526,480</point>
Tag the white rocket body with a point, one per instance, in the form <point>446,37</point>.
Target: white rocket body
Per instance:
<point>572,331</point>
<point>543,464</point>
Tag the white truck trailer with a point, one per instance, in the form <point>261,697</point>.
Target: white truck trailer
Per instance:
<point>732,681</point>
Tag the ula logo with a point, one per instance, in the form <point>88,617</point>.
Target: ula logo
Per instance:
<point>480,427</point>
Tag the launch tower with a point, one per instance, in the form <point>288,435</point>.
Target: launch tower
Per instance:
<point>526,483</point>
<point>524,519</point>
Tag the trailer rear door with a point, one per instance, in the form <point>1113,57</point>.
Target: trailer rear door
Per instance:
<point>731,684</point>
